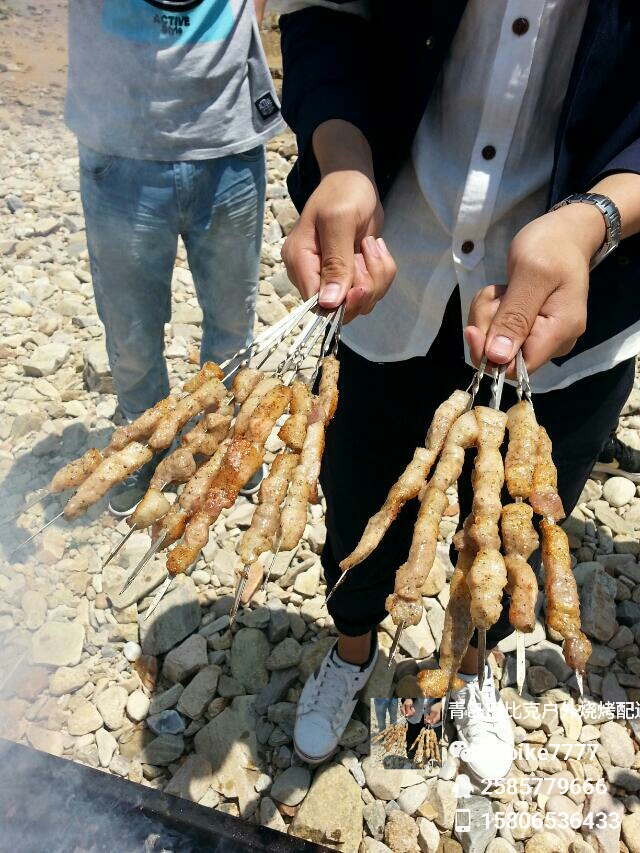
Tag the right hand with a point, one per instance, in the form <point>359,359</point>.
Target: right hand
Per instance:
<point>407,709</point>
<point>334,248</point>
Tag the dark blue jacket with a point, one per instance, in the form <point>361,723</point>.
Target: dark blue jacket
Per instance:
<point>378,74</point>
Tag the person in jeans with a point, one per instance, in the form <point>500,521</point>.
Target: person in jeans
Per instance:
<point>172,103</point>
<point>382,706</point>
<point>489,152</point>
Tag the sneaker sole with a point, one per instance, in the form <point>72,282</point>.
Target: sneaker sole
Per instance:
<point>119,514</point>
<point>313,761</point>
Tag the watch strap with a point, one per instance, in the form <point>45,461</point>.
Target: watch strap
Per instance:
<point>612,221</point>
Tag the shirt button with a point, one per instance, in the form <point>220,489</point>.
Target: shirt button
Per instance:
<point>467,247</point>
<point>520,26</point>
<point>488,152</point>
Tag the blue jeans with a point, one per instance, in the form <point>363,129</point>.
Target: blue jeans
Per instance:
<point>134,212</point>
<point>382,706</point>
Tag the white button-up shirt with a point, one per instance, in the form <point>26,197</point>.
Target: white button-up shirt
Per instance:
<point>480,169</point>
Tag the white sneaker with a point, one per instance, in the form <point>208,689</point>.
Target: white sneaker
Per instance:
<point>326,704</point>
<point>484,727</point>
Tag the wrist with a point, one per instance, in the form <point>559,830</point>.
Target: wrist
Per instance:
<point>341,147</point>
<point>585,224</point>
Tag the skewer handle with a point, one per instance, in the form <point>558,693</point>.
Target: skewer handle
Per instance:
<point>520,661</point>
<point>482,655</point>
<point>396,642</point>
<point>159,595</point>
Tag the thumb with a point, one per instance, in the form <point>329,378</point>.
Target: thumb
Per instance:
<point>513,320</point>
<point>337,256</point>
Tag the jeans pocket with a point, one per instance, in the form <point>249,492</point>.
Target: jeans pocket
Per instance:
<point>252,155</point>
<point>94,163</point>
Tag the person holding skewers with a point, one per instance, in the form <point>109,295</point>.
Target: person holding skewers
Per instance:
<point>419,712</point>
<point>486,156</point>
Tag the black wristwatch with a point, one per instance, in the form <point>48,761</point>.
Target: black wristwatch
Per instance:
<point>612,221</point>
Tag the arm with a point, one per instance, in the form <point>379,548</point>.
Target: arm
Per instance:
<point>259,6</point>
<point>333,247</point>
<point>543,309</point>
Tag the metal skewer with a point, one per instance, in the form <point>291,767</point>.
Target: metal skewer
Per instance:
<point>328,323</point>
<point>497,384</point>
<point>37,533</point>
<point>244,577</point>
<point>522,389</point>
<point>29,505</point>
<point>166,583</point>
<point>272,562</point>
<point>153,549</point>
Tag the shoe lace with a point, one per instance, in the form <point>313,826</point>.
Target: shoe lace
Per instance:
<point>333,685</point>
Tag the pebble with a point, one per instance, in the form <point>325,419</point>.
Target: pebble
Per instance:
<point>132,651</point>
<point>401,832</point>
<point>58,644</point>
<point>618,744</point>
<point>249,653</point>
<point>137,706</point>
<point>177,616</point>
<point>597,606</point>
<point>332,810</point>
<point>291,787</point>
<point>112,703</point>
<point>199,692</point>
<point>375,817</point>
<point>84,719</point>
<point>185,660</point>
<point>166,723</point>
<point>192,780</point>
<point>163,750</point>
<point>618,491</point>
<point>286,654</point>
<point>107,746</point>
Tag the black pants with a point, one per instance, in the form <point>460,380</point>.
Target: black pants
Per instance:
<point>383,415</point>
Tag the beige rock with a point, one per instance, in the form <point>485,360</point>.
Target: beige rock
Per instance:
<point>111,703</point>
<point>58,644</point>
<point>45,740</point>
<point>331,813</point>
<point>230,746</point>
<point>631,831</point>
<point>84,719</point>
<point>192,780</point>
<point>401,832</point>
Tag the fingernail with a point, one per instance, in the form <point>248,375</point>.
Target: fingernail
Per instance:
<point>372,246</point>
<point>330,292</point>
<point>501,346</point>
<point>382,245</point>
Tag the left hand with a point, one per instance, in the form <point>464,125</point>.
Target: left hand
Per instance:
<point>543,308</point>
<point>435,714</point>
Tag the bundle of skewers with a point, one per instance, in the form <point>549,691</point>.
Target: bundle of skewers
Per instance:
<point>495,542</point>
<point>426,747</point>
<point>218,456</point>
<point>393,737</point>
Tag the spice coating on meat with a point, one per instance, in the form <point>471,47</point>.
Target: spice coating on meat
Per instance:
<point>74,473</point>
<point>544,496</point>
<point>110,471</point>
<point>561,593</point>
<point>521,453</point>
<point>177,467</point>
<point>211,393</point>
<point>264,524</point>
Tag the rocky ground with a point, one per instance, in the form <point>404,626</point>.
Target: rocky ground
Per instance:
<point>181,702</point>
